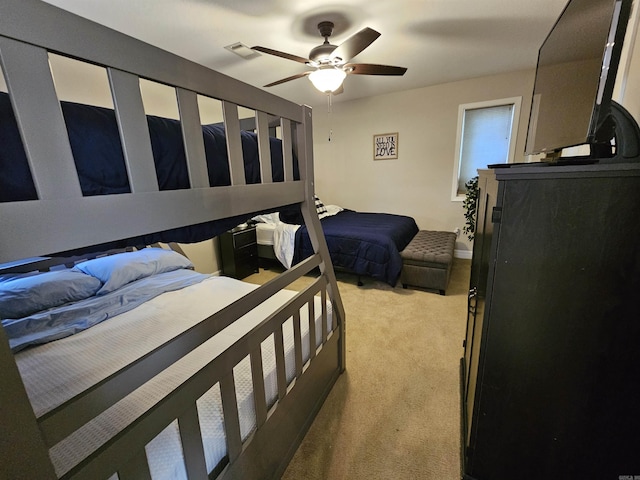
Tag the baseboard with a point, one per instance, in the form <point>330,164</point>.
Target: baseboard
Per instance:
<point>464,254</point>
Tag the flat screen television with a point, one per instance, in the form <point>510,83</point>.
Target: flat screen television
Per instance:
<point>575,75</point>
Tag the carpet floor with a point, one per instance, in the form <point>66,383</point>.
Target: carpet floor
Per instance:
<point>395,412</point>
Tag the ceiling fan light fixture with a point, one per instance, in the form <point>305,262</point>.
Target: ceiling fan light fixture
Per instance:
<point>331,62</point>
<point>327,79</point>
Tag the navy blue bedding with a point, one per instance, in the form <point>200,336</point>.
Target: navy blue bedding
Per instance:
<point>363,243</point>
<point>95,143</point>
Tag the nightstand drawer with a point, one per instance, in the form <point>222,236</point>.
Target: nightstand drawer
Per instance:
<point>244,237</point>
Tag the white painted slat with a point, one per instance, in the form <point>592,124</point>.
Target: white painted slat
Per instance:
<point>35,103</point>
<point>134,131</point>
<point>234,144</point>
<point>264,147</point>
<point>192,136</point>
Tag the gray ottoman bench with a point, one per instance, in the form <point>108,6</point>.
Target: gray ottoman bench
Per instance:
<point>427,260</point>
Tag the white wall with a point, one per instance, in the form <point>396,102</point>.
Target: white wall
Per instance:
<point>418,183</point>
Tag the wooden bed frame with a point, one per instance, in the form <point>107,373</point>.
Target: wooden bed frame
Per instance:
<point>62,220</point>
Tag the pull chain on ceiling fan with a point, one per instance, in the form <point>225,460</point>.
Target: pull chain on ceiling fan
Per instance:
<point>331,61</point>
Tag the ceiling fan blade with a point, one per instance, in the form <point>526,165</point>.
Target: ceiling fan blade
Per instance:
<point>277,53</point>
<point>353,45</point>
<point>373,69</point>
<point>292,77</point>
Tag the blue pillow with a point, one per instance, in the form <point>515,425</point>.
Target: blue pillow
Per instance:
<point>25,295</point>
<point>115,271</point>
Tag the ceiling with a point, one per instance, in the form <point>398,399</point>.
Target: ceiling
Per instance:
<point>439,41</point>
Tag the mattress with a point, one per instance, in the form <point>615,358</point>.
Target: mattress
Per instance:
<point>264,233</point>
<point>55,372</point>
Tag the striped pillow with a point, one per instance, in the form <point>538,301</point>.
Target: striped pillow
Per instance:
<point>320,208</point>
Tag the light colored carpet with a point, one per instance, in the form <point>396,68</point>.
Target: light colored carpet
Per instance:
<point>395,412</point>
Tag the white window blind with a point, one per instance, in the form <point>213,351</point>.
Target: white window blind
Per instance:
<point>486,136</point>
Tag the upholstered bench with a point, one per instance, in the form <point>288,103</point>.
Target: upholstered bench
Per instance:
<point>427,260</point>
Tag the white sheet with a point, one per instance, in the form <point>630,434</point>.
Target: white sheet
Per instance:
<point>264,233</point>
<point>57,371</point>
<point>284,239</point>
<point>281,236</point>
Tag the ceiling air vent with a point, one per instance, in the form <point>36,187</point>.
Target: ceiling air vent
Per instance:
<point>242,51</point>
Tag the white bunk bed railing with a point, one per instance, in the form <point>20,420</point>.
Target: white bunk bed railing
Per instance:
<point>62,219</point>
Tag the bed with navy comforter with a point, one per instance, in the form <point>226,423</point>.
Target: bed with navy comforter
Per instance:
<point>363,243</point>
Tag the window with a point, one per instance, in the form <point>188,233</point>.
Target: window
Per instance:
<point>485,137</point>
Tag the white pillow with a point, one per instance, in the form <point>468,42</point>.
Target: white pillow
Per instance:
<point>331,210</point>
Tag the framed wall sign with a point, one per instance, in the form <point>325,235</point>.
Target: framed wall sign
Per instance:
<point>385,146</point>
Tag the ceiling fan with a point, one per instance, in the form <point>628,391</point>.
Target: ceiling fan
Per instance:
<point>330,62</point>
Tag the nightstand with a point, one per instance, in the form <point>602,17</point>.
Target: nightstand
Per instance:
<point>239,252</point>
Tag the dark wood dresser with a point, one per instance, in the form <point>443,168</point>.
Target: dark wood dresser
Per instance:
<point>551,369</point>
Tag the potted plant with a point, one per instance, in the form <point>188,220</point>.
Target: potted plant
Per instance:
<point>469,204</point>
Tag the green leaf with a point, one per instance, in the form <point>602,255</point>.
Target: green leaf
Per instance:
<point>469,204</point>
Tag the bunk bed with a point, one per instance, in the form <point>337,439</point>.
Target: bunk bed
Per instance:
<point>219,377</point>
